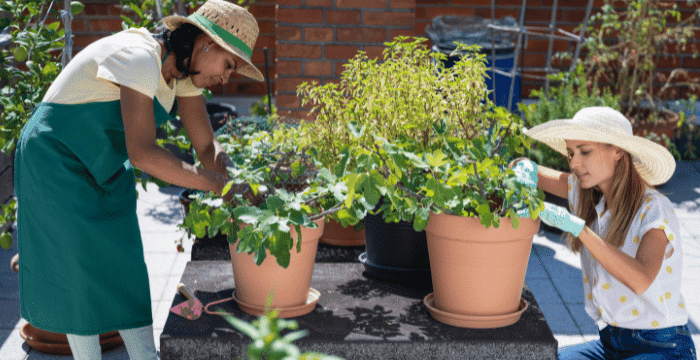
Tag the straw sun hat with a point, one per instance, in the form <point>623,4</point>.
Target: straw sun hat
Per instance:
<point>602,124</point>
<point>230,26</point>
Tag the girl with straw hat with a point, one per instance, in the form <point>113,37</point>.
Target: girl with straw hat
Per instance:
<point>81,261</point>
<point>626,233</point>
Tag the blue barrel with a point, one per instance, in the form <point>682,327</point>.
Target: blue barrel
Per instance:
<point>505,57</point>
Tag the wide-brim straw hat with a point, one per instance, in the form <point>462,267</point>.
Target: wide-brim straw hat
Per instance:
<point>232,27</point>
<point>605,125</point>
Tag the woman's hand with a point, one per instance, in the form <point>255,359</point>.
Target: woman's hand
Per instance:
<point>560,218</point>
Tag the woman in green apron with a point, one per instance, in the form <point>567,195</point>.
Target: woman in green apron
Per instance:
<point>82,269</point>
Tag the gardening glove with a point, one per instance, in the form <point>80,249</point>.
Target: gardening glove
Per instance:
<point>560,218</point>
<point>526,172</point>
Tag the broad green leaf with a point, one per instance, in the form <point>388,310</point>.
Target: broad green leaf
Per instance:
<point>76,7</point>
<point>5,240</point>
<point>420,221</point>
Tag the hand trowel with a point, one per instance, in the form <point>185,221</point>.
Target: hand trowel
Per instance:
<point>190,309</point>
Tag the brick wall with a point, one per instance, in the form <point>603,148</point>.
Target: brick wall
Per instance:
<point>311,39</point>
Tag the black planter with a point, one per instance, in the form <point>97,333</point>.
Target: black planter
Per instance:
<point>396,252</point>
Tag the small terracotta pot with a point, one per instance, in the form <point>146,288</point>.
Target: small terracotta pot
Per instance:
<point>291,285</point>
<point>478,271</point>
<point>666,126</point>
<point>335,234</point>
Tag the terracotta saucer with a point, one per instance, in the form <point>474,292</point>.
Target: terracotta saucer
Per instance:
<point>57,344</point>
<point>288,312</point>
<point>474,321</point>
<point>394,274</point>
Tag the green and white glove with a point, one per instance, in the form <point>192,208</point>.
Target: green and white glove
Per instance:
<point>560,218</point>
<point>526,174</point>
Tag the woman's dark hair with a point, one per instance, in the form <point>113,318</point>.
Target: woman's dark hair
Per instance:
<point>181,42</point>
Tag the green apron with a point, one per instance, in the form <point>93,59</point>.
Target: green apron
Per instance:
<point>82,269</point>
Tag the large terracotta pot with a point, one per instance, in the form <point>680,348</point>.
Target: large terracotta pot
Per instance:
<point>478,273</point>
<point>292,292</point>
<point>336,234</point>
<point>666,126</point>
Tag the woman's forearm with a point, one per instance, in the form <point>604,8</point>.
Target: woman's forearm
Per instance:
<point>214,158</point>
<point>553,181</point>
<point>626,269</point>
<point>163,165</point>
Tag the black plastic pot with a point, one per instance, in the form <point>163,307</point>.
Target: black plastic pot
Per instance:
<point>396,252</point>
<point>205,248</point>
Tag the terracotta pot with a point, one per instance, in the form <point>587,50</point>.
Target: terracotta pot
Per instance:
<point>291,285</point>
<point>335,234</point>
<point>667,126</point>
<point>478,272</point>
<point>57,344</point>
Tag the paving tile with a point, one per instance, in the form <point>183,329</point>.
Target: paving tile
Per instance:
<point>161,242</point>
<point>9,286</point>
<point>157,286</point>
<point>12,346</point>
<point>535,270</point>
<point>159,263</point>
<point>9,314</point>
<point>161,315</point>
<point>568,340</point>
<point>118,353</point>
<point>559,319</point>
<point>544,292</point>
<point>583,320</point>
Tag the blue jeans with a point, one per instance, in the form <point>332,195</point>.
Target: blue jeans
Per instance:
<point>617,343</point>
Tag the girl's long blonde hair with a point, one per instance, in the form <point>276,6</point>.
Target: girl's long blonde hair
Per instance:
<point>625,199</point>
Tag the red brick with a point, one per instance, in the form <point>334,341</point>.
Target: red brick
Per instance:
<point>299,15</point>
<point>393,33</point>
<point>248,87</point>
<point>288,33</point>
<point>318,68</point>
<point>318,34</point>
<point>573,15</point>
<point>340,68</point>
<point>266,26</point>
<point>534,60</point>
<point>289,67</point>
<point>376,4</point>
<point>671,62</point>
<point>106,25</point>
<point>402,4</point>
<point>419,28</point>
<point>421,12</point>
<point>437,11</point>
<point>690,63</point>
<point>299,51</point>
<point>288,2</point>
<point>388,18</point>
<point>262,11</point>
<point>289,84</point>
<point>343,17</point>
<point>341,51</point>
<point>287,101</point>
<point>432,2</point>
<point>99,9</point>
<point>323,3</point>
<point>361,35</point>
<point>474,2</point>
<point>265,42</point>
<point>374,52</point>
<point>81,41</point>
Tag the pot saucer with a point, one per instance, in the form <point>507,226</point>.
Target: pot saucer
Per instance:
<point>395,274</point>
<point>289,312</point>
<point>474,321</point>
<point>57,344</point>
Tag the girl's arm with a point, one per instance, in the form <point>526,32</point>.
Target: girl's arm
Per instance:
<point>636,273</point>
<point>145,154</point>
<point>553,181</point>
<point>195,119</point>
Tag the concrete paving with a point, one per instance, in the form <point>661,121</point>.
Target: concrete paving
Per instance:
<point>553,275</point>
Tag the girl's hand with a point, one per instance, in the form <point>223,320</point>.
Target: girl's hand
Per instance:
<point>560,218</point>
<point>526,172</point>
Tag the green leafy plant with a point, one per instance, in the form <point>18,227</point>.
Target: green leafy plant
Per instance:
<point>623,49</point>
<point>571,94</point>
<point>30,65</point>
<point>282,188</point>
<point>268,343</point>
<point>424,137</point>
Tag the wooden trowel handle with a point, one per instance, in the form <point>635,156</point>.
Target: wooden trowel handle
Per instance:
<point>183,289</point>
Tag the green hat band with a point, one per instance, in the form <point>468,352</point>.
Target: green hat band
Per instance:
<point>218,30</point>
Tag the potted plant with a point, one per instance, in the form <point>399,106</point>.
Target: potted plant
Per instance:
<point>401,95</point>
<point>282,214</point>
<point>455,184</point>
<point>624,47</point>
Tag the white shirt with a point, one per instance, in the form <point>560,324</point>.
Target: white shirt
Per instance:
<point>129,58</point>
<point>607,300</point>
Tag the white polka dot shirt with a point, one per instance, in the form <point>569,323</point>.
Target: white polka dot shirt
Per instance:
<point>607,300</point>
